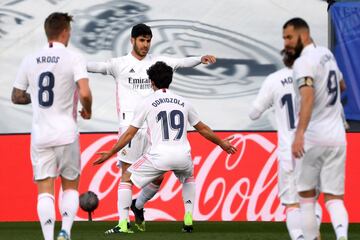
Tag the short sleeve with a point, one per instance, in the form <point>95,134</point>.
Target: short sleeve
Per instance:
<point>140,114</point>
<point>264,99</point>
<point>193,116</point>
<point>79,67</point>
<point>21,81</point>
<point>303,68</point>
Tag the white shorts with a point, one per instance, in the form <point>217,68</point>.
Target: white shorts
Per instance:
<point>324,167</point>
<point>143,172</point>
<point>137,147</point>
<point>61,160</point>
<point>287,186</point>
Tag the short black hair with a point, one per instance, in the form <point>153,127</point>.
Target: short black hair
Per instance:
<point>55,23</point>
<point>297,23</point>
<point>161,74</point>
<point>141,29</point>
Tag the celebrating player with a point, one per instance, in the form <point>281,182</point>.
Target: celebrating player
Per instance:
<point>319,140</point>
<point>55,77</point>
<point>132,85</point>
<point>278,91</point>
<point>166,115</point>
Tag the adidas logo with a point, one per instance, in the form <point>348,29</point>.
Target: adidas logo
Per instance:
<point>132,71</point>
<point>48,222</point>
<point>65,214</point>
<point>188,202</point>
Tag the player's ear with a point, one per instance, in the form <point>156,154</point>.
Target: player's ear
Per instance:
<point>132,40</point>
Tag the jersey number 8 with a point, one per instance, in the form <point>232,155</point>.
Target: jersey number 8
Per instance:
<point>46,85</point>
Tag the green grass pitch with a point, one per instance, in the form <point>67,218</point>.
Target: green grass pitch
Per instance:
<point>170,230</point>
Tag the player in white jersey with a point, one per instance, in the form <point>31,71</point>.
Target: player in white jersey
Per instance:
<point>277,91</point>
<point>319,140</point>
<point>55,77</point>
<point>166,115</point>
<point>132,85</point>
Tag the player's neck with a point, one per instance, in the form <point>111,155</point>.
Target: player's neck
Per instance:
<point>137,56</point>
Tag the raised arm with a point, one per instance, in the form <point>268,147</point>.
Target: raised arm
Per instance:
<point>124,139</point>
<point>189,61</point>
<point>207,133</point>
<point>97,67</point>
<point>85,97</point>
<point>19,96</point>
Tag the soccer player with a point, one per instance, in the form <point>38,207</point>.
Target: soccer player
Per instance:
<point>278,91</point>
<point>55,77</point>
<point>132,85</point>
<point>319,142</point>
<point>166,115</point>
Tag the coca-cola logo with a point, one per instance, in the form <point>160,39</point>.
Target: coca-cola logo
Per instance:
<point>235,187</point>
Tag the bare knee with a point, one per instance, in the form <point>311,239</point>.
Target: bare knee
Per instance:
<point>69,184</point>
<point>159,180</point>
<point>308,194</point>
<point>125,176</point>
<point>328,197</point>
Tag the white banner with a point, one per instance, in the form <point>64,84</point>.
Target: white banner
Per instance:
<point>246,37</point>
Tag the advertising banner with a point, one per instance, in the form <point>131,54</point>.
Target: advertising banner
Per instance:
<point>241,187</point>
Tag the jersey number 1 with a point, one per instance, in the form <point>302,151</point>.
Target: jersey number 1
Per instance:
<point>46,85</point>
<point>287,100</point>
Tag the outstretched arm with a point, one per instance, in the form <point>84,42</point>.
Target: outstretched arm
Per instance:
<point>207,133</point>
<point>97,67</point>
<point>123,140</point>
<point>20,96</point>
<point>189,61</point>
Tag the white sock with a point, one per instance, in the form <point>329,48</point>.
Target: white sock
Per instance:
<point>46,213</point>
<point>339,217</point>
<point>68,208</point>
<point>318,213</point>
<point>124,200</point>
<point>188,194</point>
<point>146,194</point>
<point>308,218</point>
<point>293,223</point>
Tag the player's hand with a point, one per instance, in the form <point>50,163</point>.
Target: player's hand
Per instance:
<point>85,114</point>
<point>297,147</point>
<point>208,59</point>
<point>227,147</point>
<point>104,156</point>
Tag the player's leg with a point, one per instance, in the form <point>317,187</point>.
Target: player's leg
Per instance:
<point>46,207</point>
<point>143,173</point>
<point>186,177</point>
<point>124,189</point>
<point>188,194</point>
<point>307,179</point>
<point>137,205</point>
<point>44,169</point>
<point>68,158</point>
<point>140,147</point>
<point>333,175</point>
<point>290,199</point>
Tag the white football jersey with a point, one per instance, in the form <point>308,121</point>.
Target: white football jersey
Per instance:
<point>326,125</point>
<point>167,116</point>
<point>278,91</point>
<point>50,75</point>
<point>132,81</point>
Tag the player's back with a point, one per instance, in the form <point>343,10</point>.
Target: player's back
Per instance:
<point>326,126</point>
<point>283,94</point>
<point>167,116</point>
<point>51,75</point>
